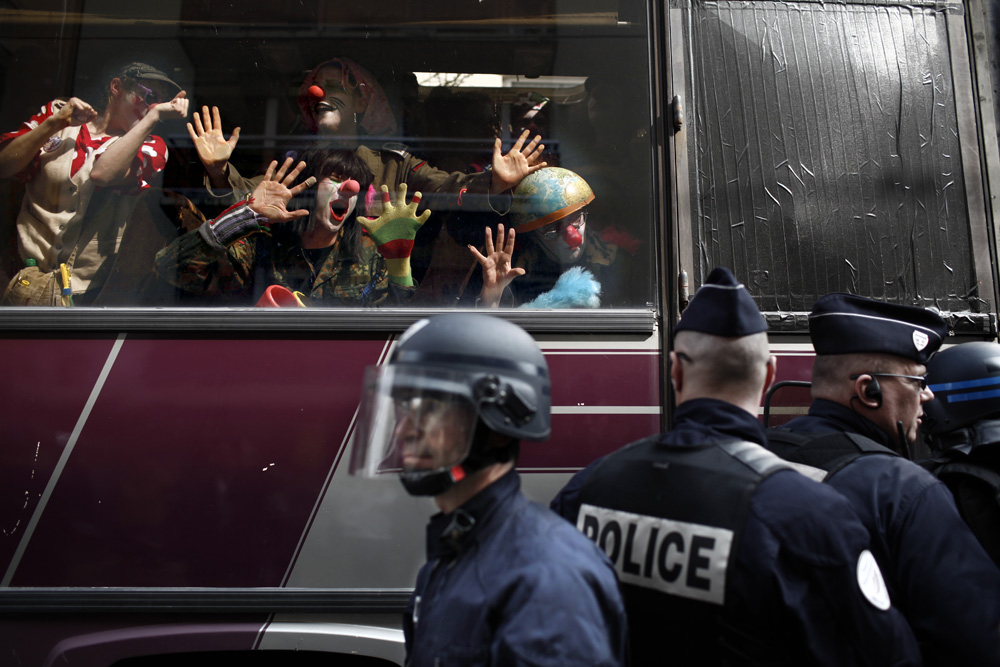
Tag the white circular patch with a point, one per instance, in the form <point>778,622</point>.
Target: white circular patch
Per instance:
<point>871,582</point>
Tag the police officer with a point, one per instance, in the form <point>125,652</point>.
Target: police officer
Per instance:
<point>962,425</point>
<point>868,387</point>
<point>507,582</point>
<point>728,555</point>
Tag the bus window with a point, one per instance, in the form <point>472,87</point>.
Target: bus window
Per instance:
<point>112,178</point>
<point>835,150</point>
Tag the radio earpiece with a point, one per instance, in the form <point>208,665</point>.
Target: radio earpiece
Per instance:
<point>873,392</point>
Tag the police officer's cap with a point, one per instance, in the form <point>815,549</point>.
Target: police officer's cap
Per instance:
<point>722,307</point>
<point>850,324</point>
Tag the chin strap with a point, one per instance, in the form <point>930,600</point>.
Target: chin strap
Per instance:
<point>479,456</point>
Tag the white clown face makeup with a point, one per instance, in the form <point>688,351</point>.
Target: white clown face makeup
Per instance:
<point>335,114</point>
<point>564,240</point>
<point>336,199</point>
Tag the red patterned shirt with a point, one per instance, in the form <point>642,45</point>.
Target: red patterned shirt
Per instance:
<point>60,196</point>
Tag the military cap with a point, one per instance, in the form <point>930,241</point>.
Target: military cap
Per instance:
<point>849,324</point>
<point>722,307</point>
<point>139,70</point>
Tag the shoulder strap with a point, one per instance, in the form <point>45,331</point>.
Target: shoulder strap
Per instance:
<point>869,446</point>
<point>828,451</point>
<point>765,463</point>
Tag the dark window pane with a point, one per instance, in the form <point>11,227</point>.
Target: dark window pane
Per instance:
<point>431,85</point>
<point>827,154</point>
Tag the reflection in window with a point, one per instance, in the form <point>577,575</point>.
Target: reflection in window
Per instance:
<point>118,190</point>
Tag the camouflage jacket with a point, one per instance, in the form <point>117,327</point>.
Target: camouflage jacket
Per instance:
<point>390,166</point>
<point>263,258</point>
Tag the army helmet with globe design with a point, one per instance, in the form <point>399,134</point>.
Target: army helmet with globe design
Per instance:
<point>546,196</point>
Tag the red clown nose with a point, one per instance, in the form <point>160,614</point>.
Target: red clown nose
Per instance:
<point>572,236</point>
<point>316,93</point>
<point>349,188</point>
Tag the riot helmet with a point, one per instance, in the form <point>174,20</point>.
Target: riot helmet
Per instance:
<point>449,382</point>
<point>965,380</point>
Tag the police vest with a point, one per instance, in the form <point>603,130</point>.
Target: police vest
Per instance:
<point>977,495</point>
<point>670,518</point>
<point>826,451</point>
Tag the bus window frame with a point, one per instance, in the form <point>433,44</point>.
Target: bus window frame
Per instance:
<point>326,320</point>
<point>980,163</point>
<point>641,320</point>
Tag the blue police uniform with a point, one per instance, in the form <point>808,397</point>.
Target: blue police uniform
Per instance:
<point>508,582</point>
<point>793,595</point>
<point>936,571</point>
<point>962,427</point>
<point>726,554</point>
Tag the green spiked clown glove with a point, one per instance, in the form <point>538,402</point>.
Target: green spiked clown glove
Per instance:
<point>394,231</point>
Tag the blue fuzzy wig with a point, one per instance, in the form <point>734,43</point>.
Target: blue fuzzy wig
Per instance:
<point>576,288</point>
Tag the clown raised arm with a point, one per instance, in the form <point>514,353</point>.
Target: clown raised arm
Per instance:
<point>343,102</point>
<point>214,150</point>
<point>521,160</point>
<point>65,154</point>
<point>498,272</point>
<point>563,267</point>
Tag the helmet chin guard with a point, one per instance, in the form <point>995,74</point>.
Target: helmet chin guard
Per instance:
<point>431,483</point>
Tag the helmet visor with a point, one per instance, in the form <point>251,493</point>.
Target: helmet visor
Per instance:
<point>412,420</point>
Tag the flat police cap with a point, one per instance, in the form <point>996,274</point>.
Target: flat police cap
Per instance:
<point>722,307</point>
<point>847,324</point>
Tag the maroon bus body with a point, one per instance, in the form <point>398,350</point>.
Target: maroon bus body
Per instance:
<point>151,462</point>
